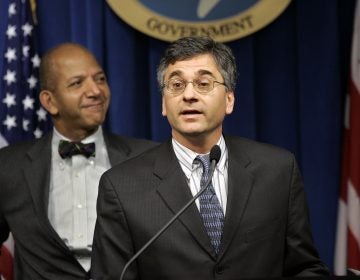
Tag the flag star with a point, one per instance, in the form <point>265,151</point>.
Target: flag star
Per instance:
<point>10,54</point>
<point>10,122</point>
<point>9,100</point>
<point>25,50</point>
<point>32,81</point>
<point>26,123</point>
<point>35,61</point>
<point>10,77</point>
<point>27,29</point>
<point>11,31</point>
<point>38,133</point>
<point>41,113</point>
<point>12,9</point>
<point>28,102</point>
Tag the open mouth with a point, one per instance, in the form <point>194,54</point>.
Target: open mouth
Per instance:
<point>190,112</point>
<point>191,115</point>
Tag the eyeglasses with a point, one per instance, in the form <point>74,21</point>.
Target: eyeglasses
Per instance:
<point>177,86</point>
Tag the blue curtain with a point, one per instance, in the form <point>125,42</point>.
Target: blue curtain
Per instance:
<point>293,76</point>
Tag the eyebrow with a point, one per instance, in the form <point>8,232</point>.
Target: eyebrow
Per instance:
<point>100,72</point>
<point>205,72</point>
<point>201,72</point>
<point>175,73</point>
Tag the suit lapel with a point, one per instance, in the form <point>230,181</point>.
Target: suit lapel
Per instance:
<point>117,150</point>
<point>37,175</point>
<point>175,193</point>
<point>240,183</point>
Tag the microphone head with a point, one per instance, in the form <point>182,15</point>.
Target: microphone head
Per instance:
<point>215,153</point>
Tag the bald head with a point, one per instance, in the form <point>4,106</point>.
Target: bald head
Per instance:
<point>74,90</point>
<point>53,58</point>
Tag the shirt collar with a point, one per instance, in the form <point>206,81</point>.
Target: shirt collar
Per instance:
<point>186,156</point>
<point>97,137</point>
<point>92,138</point>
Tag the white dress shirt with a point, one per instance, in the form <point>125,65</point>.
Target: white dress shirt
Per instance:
<point>73,193</point>
<point>193,171</point>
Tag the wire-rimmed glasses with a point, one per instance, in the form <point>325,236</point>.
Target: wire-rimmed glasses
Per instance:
<point>176,86</point>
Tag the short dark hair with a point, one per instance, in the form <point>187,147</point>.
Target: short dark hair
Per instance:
<point>189,47</point>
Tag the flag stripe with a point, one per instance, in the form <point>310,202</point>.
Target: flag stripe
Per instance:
<point>347,254</point>
<point>353,251</point>
<point>354,137</point>
<point>341,240</point>
<point>6,263</point>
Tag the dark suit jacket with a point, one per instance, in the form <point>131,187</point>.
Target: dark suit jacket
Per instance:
<point>24,195</point>
<point>266,231</point>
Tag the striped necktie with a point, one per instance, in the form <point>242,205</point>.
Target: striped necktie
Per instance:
<point>210,208</point>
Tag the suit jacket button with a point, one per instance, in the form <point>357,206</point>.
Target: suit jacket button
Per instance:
<point>219,270</point>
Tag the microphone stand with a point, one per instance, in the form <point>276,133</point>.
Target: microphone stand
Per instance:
<point>156,236</point>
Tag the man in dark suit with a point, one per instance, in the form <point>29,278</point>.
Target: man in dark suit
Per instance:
<point>252,221</point>
<point>49,186</point>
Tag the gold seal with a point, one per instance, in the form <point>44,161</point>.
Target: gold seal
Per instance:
<point>226,29</point>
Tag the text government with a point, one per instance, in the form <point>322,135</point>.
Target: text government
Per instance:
<point>243,24</point>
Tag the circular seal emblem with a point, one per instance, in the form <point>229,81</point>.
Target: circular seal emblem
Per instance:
<point>223,20</point>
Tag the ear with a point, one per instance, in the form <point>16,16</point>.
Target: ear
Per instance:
<point>163,112</point>
<point>48,102</point>
<point>230,101</point>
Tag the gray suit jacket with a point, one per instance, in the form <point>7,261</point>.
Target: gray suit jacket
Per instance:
<point>24,195</point>
<point>266,231</point>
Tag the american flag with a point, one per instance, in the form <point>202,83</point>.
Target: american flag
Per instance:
<point>347,255</point>
<point>21,116</point>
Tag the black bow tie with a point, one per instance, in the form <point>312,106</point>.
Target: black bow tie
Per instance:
<point>68,149</point>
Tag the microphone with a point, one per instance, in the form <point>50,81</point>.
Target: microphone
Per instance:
<point>215,154</point>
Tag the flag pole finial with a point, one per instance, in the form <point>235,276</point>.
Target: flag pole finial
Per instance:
<point>33,11</point>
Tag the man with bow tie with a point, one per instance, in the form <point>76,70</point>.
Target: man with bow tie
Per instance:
<point>48,187</point>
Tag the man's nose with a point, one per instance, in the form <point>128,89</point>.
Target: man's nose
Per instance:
<point>189,91</point>
<point>92,87</point>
